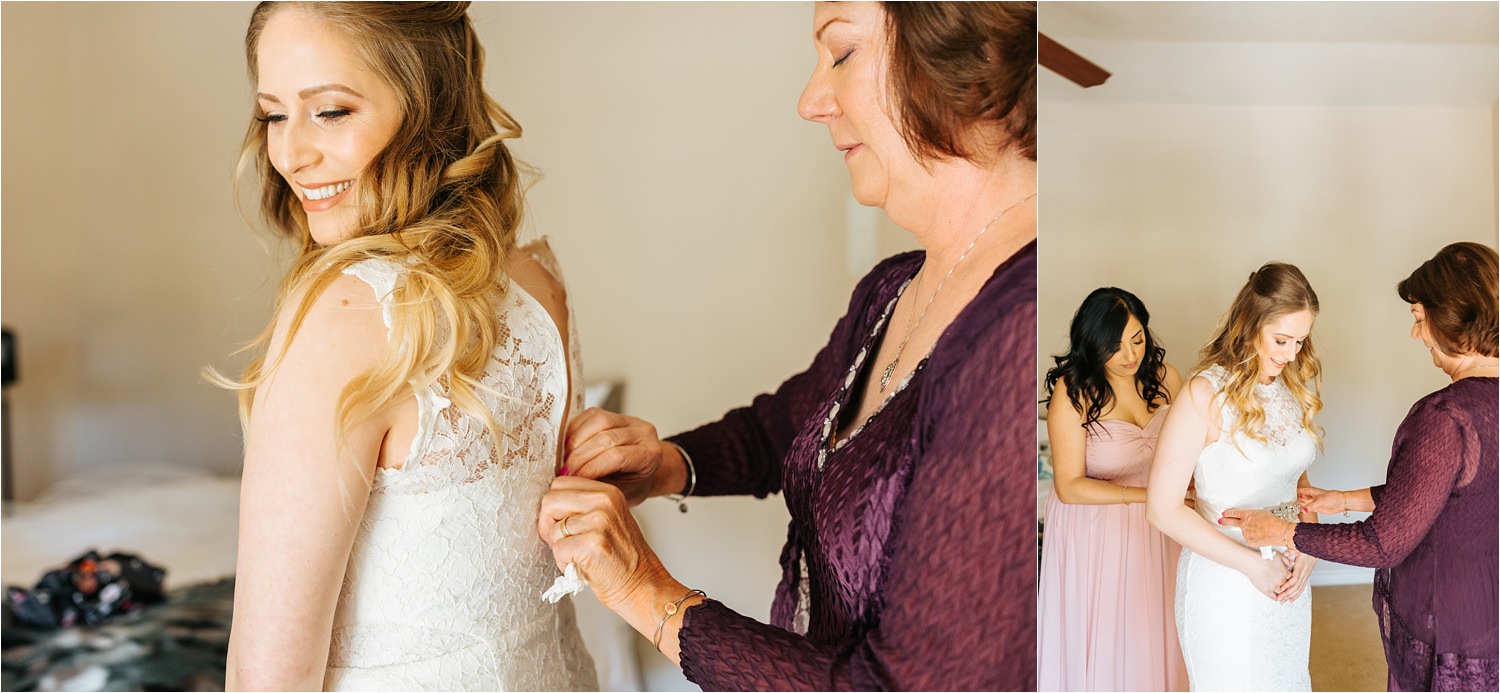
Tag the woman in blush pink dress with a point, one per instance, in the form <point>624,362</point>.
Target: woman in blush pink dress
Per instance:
<point>1104,612</point>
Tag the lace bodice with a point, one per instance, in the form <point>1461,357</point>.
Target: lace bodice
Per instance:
<point>443,583</point>
<point>1237,471</point>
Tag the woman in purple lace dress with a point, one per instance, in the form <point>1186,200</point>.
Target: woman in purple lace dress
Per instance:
<point>1432,532</point>
<point>905,452</point>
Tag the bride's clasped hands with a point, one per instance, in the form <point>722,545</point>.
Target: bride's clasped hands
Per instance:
<point>1292,568</point>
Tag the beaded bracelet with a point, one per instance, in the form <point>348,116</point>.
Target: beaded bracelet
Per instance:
<point>669,610</point>
<point>681,498</point>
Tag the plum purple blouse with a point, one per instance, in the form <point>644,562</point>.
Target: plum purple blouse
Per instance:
<point>1435,542</point>
<point>910,555</point>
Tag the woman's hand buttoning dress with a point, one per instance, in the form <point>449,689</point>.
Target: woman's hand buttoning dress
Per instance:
<point>905,450</point>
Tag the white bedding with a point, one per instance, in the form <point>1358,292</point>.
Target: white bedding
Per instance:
<point>185,522</point>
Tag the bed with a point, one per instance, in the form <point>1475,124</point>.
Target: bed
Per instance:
<point>185,522</point>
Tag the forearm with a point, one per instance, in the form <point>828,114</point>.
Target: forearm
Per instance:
<point>672,475</point>
<point>1359,500</point>
<point>1190,530</point>
<point>646,608</point>
<point>1089,491</point>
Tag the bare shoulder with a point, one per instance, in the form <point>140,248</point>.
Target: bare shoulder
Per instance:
<point>344,323</point>
<point>1197,395</point>
<point>1061,410</point>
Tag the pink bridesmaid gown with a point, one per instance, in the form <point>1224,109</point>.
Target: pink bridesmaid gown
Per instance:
<point>1108,580</point>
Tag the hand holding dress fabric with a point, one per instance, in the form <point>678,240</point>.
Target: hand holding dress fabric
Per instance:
<point>622,450</point>
<point>1321,501</point>
<point>1259,527</point>
<point>588,523</point>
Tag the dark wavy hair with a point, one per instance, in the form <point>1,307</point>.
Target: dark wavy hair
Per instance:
<point>959,64</point>
<point>1457,290</point>
<point>1093,339</point>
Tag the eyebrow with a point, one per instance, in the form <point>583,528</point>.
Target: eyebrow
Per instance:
<point>818,35</point>
<point>313,91</point>
<point>1282,334</point>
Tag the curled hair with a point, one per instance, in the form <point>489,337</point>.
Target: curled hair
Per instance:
<point>1457,291</point>
<point>443,198</point>
<point>1093,339</point>
<point>958,65</point>
<point>1275,290</point>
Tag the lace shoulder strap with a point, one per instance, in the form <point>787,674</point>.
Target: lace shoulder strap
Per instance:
<point>541,251</point>
<point>382,275</point>
<point>1216,376</point>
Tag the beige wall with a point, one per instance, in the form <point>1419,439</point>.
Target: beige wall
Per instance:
<point>1179,203</point>
<point>700,222</point>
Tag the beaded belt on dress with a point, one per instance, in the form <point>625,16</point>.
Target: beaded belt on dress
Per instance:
<point>1286,511</point>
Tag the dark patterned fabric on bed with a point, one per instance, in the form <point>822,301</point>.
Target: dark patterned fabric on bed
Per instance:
<point>178,645</point>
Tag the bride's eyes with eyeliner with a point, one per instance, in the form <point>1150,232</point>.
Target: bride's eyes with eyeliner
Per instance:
<point>331,115</point>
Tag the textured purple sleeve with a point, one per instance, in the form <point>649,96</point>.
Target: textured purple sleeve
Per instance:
<point>1425,462</point>
<point>958,605</point>
<point>742,453</point>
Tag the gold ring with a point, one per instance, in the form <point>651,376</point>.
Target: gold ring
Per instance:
<point>564,526</point>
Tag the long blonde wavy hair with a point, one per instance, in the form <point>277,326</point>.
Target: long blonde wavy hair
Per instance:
<point>445,192</point>
<point>1274,290</point>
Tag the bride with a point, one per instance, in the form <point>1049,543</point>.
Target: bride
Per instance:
<point>403,423</point>
<point>1242,431</point>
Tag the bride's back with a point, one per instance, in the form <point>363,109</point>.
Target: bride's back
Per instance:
<point>444,579</point>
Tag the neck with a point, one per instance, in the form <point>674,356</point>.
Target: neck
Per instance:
<point>1472,366</point>
<point>960,198</point>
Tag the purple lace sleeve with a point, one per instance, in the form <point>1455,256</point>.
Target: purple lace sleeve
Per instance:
<point>1426,460</point>
<point>957,609</point>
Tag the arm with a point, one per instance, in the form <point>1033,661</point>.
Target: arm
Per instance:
<point>1316,500</point>
<point>742,452</point>
<point>301,498</point>
<point>1186,431</point>
<point>976,436</point>
<point>1066,433</point>
<point>1426,460</point>
<point>958,608</point>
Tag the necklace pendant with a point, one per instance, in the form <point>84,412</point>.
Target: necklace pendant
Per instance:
<point>885,378</point>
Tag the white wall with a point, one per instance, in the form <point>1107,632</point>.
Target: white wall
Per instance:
<point>1179,203</point>
<point>700,222</point>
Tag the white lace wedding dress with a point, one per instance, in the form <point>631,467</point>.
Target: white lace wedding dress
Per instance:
<point>1233,637</point>
<point>444,582</point>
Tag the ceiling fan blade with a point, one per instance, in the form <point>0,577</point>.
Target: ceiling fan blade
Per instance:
<point>1076,68</point>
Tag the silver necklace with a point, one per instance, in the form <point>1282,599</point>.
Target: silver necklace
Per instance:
<point>1471,369</point>
<point>911,325</point>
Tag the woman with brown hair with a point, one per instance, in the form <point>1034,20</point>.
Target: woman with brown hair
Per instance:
<point>1241,430</point>
<point>906,451</point>
<point>1432,533</point>
<point>404,420</point>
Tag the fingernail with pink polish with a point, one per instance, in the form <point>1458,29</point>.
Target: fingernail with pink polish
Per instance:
<point>564,471</point>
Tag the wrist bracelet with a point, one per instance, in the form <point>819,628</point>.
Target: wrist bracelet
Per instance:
<point>1123,499</point>
<point>1345,498</point>
<point>669,610</point>
<point>681,498</point>
<point>1285,539</point>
